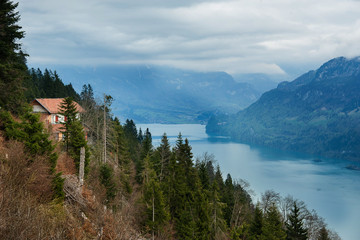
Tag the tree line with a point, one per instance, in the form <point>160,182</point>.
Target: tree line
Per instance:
<point>47,85</point>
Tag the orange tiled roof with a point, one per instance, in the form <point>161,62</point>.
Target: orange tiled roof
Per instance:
<point>52,105</point>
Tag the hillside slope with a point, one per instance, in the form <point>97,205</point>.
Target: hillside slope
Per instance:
<point>316,113</point>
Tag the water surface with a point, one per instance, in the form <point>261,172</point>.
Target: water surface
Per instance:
<point>325,185</point>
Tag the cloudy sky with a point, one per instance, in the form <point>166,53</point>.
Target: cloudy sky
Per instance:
<point>243,36</point>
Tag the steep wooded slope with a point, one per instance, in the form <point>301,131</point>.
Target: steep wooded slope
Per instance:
<point>316,113</point>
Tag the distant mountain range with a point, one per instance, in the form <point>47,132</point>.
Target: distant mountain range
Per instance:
<point>318,113</point>
<point>155,94</point>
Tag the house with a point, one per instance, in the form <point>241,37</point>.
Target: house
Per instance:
<point>49,109</point>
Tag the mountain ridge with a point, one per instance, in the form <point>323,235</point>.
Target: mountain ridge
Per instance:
<point>317,113</point>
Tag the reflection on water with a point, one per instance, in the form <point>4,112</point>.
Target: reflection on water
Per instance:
<point>326,185</point>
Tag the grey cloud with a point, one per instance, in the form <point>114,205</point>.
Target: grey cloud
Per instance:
<point>235,36</point>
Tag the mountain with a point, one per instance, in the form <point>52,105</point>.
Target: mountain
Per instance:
<point>163,94</point>
<point>318,113</point>
<point>259,81</point>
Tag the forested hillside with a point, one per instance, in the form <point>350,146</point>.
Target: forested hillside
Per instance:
<point>316,113</point>
<point>132,190</point>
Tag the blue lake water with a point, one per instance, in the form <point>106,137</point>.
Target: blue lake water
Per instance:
<point>325,185</point>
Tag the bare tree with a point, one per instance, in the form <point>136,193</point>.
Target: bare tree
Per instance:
<point>242,202</point>
<point>285,205</point>
<point>268,198</point>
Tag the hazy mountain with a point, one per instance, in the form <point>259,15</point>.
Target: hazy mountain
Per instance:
<point>259,81</point>
<point>163,94</point>
<point>317,113</point>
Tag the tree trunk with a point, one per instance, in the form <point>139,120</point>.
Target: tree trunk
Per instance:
<point>153,213</point>
<point>104,130</point>
<point>81,167</point>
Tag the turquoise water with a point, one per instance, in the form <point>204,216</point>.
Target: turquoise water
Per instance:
<point>325,185</point>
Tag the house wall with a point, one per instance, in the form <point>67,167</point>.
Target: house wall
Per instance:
<point>45,117</point>
<point>38,109</point>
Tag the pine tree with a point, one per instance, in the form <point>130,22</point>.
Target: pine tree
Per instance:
<point>132,138</point>
<point>140,136</point>
<point>69,111</point>
<point>31,84</point>
<point>256,226</point>
<point>48,83</point>
<point>76,142</point>
<point>210,169</point>
<point>13,68</point>
<point>130,129</point>
<point>146,144</point>
<point>106,116</point>
<point>121,153</point>
<point>107,180</point>
<point>165,155</point>
<point>36,140</point>
<point>179,143</point>
<point>220,181</point>
<point>74,133</point>
<point>170,187</point>
<point>203,175</point>
<point>273,228</point>
<point>121,149</point>
<point>155,206</point>
<point>295,227</point>
<point>157,214</point>
<point>59,90</point>
<point>228,199</point>
<point>185,162</point>
<point>188,202</point>
<point>146,150</point>
<point>181,197</point>
<point>10,31</point>
<point>218,224</point>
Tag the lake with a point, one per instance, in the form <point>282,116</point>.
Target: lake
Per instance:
<point>325,185</point>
